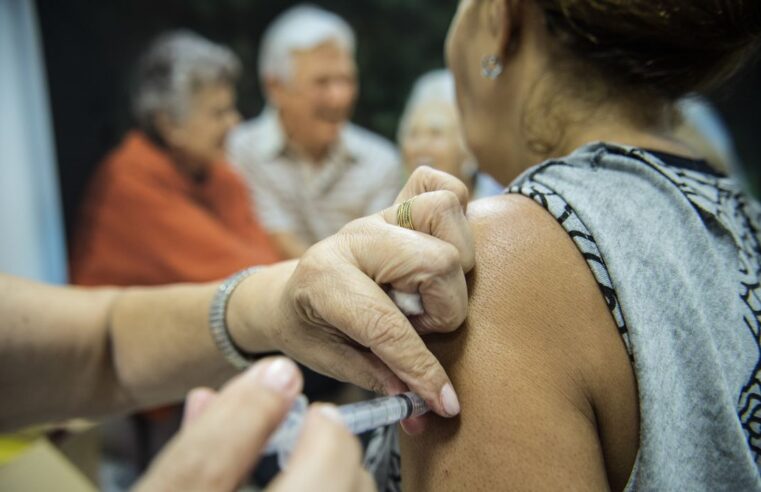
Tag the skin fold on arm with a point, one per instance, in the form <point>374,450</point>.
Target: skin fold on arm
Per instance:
<point>548,395</point>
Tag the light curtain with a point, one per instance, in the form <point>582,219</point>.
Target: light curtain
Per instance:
<point>32,242</point>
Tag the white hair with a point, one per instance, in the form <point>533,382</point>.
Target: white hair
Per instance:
<point>173,68</point>
<point>433,86</point>
<point>302,27</point>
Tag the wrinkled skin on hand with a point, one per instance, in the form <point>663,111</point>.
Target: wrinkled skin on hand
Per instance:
<point>339,318</point>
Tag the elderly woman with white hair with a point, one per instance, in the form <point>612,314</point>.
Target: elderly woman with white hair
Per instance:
<point>430,134</point>
<point>164,207</point>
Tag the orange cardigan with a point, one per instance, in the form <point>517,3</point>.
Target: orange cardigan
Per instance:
<point>144,222</point>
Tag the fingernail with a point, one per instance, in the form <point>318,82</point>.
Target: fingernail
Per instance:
<point>278,375</point>
<point>449,400</point>
<point>331,412</point>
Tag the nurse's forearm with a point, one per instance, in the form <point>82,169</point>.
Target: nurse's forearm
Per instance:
<point>69,352</point>
<point>162,342</point>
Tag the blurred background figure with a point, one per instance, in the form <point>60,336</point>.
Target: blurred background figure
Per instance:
<point>310,170</point>
<point>164,207</point>
<point>430,134</point>
<point>703,130</point>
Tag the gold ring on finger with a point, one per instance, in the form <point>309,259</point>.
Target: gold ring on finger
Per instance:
<point>404,214</point>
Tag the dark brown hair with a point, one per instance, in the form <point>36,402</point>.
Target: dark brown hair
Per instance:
<point>665,47</point>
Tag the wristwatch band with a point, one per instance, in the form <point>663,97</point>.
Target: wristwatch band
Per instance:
<point>218,320</point>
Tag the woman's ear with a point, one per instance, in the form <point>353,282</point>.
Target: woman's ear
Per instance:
<point>505,22</point>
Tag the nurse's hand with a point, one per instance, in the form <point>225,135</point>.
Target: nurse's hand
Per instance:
<point>223,435</point>
<point>335,316</point>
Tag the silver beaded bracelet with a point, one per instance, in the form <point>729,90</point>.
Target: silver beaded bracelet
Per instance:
<point>218,320</point>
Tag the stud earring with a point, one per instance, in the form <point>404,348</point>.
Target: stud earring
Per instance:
<point>491,67</point>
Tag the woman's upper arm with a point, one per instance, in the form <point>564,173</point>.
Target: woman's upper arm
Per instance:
<point>538,367</point>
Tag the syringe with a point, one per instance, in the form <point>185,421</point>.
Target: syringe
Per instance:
<point>358,417</point>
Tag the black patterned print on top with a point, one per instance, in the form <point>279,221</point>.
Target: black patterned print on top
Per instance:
<point>711,196</point>
<point>585,242</point>
<point>731,209</point>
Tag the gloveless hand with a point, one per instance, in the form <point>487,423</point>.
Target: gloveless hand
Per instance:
<point>337,317</point>
<point>223,435</point>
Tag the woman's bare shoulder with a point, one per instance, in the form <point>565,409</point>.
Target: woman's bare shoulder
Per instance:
<point>533,366</point>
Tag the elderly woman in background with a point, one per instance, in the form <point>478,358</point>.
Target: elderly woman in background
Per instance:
<point>164,207</point>
<point>430,134</point>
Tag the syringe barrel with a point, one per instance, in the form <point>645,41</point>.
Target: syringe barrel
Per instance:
<point>358,417</point>
<point>364,416</point>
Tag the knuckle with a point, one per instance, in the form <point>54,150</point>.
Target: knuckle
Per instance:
<point>448,201</point>
<point>426,367</point>
<point>461,191</point>
<point>422,173</point>
<point>449,309</point>
<point>446,260</point>
<point>453,319</point>
<point>384,329</point>
<point>442,181</point>
<point>447,319</point>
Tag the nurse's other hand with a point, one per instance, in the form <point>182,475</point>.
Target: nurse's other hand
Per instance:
<point>224,433</point>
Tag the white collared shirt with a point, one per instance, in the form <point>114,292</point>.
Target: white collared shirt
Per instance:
<point>361,175</point>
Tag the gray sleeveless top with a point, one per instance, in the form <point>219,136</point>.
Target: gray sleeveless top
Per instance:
<point>676,251</point>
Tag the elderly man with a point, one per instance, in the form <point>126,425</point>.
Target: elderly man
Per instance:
<point>309,169</point>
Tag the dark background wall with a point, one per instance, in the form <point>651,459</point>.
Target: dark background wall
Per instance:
<point>90,49</point>
<point>740,105</point>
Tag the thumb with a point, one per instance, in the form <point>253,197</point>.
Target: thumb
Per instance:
<point>232,430</point>
<point>196,403</point>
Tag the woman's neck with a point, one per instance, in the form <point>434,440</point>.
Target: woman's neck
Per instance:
<point>601,125</point>
<point>651,139</point>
